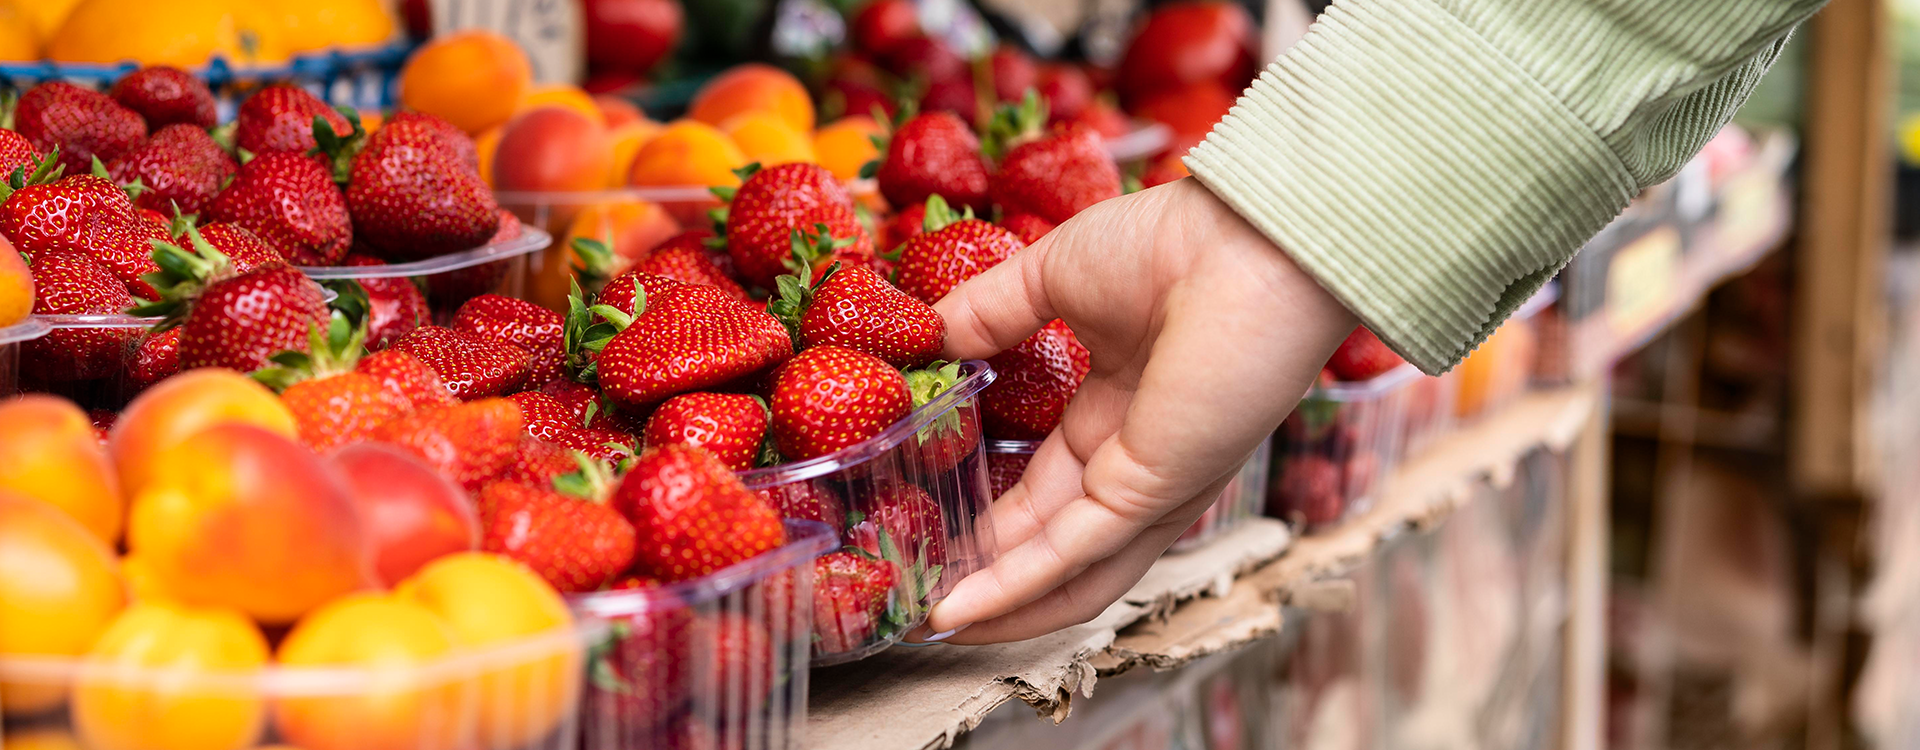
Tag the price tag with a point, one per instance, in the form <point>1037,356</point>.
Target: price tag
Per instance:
<point>551,31</point>
<point>1642,280</point>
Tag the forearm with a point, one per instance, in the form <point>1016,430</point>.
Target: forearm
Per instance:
<point>1433,162</point>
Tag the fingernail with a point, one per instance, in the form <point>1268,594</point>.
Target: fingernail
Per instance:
<point>938,637</point>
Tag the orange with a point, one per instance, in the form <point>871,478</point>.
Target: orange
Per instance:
<point>310,25</point>
<point>398,707</point>
<point>687,153</point>
<point>847,145</point>
<point>185,404</point>
<point>16,282</point>
<point>185,34</point>
<point>765,138</point>
<point>625,141</point>
<point>473,79</point>
<point>486,144</point>
<point>754,87</point>
<point>19,39</point>
<point>59,589</point>
<point>1499,367</point>
<point>493,603</point>
<point>561,95</point>
<point>49,452</point>
<point>210,698</point>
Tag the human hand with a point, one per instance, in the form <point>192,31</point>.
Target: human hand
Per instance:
<point>1204,335</point>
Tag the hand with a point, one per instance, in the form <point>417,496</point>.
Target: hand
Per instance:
<point>1204,335</point>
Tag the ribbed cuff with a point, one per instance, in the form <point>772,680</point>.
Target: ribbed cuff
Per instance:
<point>1415,172</point>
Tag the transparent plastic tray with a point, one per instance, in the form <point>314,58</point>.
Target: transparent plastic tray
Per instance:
<point>1143,140</point>
<point>1503,366</point>
<point>11,338</point>
<point>1430,409</point>
<point>910,497</point>
<point>448,281</point>
<point>718,661</point>
<point>522,695</point>
<point>1332,452</point>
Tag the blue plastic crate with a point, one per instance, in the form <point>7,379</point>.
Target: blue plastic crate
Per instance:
<point>364,78</point>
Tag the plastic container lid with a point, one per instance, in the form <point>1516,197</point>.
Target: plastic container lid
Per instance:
<point>1144,140</point>
<point>977,376</point>
<point>531,239</point>
<point>805,540</point>
<point>32,328</point>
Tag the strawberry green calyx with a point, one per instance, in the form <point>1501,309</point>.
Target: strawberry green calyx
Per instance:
<point>46,171</point>
<point>725,194</point>
<point>926,384</point>
<point>222,135</point>
<point>940,215</point>
<point>133,191</point>
<point>592,260</point>
<point>1014,124</point>
<point>183,274</point>
<point>335,351</point>
<point>339,149</point>
<point>811,248</point>
<point>592,481</point>
<point>588,328</point>
<point>9,101</point>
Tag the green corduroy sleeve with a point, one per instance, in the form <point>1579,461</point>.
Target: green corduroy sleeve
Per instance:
<point>1432,163</point>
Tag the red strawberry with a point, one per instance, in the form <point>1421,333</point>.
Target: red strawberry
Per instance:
<point>279,119</point>
<point>1362,356</point>
<point>828,398</point>
<point>1027,227</point>
<point>1037,377</point>
<point>730,425</point>
<point>165,96</point>
<point>1065,88</point>
<point>743,657</point>
<point>1308,490</point>
<point>1056,175</point>
<point>537,462</point>
<point>855,309</point>
<point>574,541</point>
<point>622,292</point>
<point>609,445</point>
<point>124,243</point>
<point>290,201</point>
<point>156,357</point>
<point>881,25</point>
<point>453,288</point>
<point>180,167</point>
<point>407,377</point>
<point>448,133</point>
<point>69,283</point>
<point>580,398</point>
<point>244,249</point>
<point>85,124</point>
<point>394,305</point>
<point>908,517</point>
<point>467,443</point>
<point>1013,73</point>
<point>925,57</point>
<point>903,226</point>
<point>775,202</point>
<point>851,592</point>
<point>521,323</point>
<point>809,500</point>
<point>684,257</point>
<point>952,436</point>
<point>413,195</point>
<point>546,418</point>
<point>340,408</point>
<point>61,215</point>
<point>692,513</point>
<point>934,154</point>
<point>233,319</point>
<point>689,338</point>
<point>1005,469</point>
<point>953,249</point>
<point>102,420</point>
<point>643,680</point>
<point>16,154</point>
<point>471,366</point>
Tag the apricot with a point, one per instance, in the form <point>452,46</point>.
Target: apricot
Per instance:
<point>766,138</point>
<point>485,145</point>
<point>182,405</point>
<point>551,149</point>
<point>616,111</point>
<point>623,141</point>
<point>754,87</point>
<point>59,589</point>
<point>398,704</point>
<point>847,145</point>
<point>49,452</point>
<point>509,617</point>
<point>208,699</point>
<point>142,583</point>
<point>629,226</point>
<point>562,95</point>
<point>687,152</point>
<point>237,516</point>
<point>473,79</point>
<point>16,285</point>
<point>1498,368</point>
<point>411,513</point>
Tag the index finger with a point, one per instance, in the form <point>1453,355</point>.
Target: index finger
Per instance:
<point>989,313</point>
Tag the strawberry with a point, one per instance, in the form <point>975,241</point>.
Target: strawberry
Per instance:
<point>47,215</point>
<point>546,418</point>
<point>609,445</point>
<point>828,398</point>
<point>1027,227</point>
<point>453,288</point>
<point>244,249</point>
<point>17,154</point>
<point>228,318</point>
<point>1037,377</point>
<point>165,96</point>
<point>907,518</point>
<point>413,195</point>
<point>952,250</point>
<point>625,290</point>
<point>395,304</point>
<point>692,514</point>
<point>1362,356</point>
<point>586,406</point>
<point>537,462</point>
<point>809,500</point>
<point>851,593</point>
<point>949,438</point>
<point>730,425</point>
<point>903,226</point>
<point>278,119</point>
<point>406,376</point>
<point>70,283</point>
<point>332,405</point>
<point>566,532</point>
<point>1066,90</point>
<point>1052,175</point>
<point>1013,73</point>
<point>467,443</point>
<point>446,132</point>
<point>684,257</point>
<point>855,309</point>
<point>156,357</point>
<point>1308,491</point>
<point>642,680</point>
<point>764,213</point>
<point>1004,471</point>
<point>125,243</point>
<point>84,124</point>
<point>471,366</point>
<point>691,337</point>
<point>934,154</point>
<point>531,327</point>
<point>743,657</point>
<point>180,169</point>
<point>102,420</point>
<point>290,201</point>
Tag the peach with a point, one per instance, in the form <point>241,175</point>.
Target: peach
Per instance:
<point>754,87</point>
<point>49,452</point>
<point>847,145</point>
<point>238,516</point>
<point>16,286</point>
<point>473,79</point>
<point>59,589</point>
<point>623,142</point>
<point>617,111</point>
<point>629,226</point>
<point>562,95</point>
<point>182,405</point>
<point>491,602</point>
<point>766,138</point>
<point>551,149</point>
<point>411,513</point>
<point>208,700</point>
<point>687,153</point>
<point>403,707</point>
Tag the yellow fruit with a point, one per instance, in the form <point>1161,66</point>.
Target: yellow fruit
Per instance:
<point>687,153</point>
<point>45,16</point>
<point>19,41</point>
<point>847,145</point>
<point>766,138</point>
<point>42,739</point>
<point>59,588</point>
<point>625,141</point>
<point>309,25</point>
<point>473,79</point>
<point>210,699</point>
<point>400,706</point>
<point>16,281</point>
<point>183,33</point>
<point>561,95</point>
<point>49,452</point>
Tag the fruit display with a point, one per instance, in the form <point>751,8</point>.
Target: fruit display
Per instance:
<point>1332,452</point>
<point>1244,497</point>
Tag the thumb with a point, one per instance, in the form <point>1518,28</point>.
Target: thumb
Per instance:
<point>991,312</point>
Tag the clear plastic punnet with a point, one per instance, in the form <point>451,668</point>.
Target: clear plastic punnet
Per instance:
<point>915,497</point>
<point>1333,451</point>
<point>448,281</point>
<point>718,661</point>
<point>11,339</point>
<point>517,695</point>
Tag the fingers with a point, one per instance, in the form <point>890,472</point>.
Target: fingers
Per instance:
<point>999,308</point>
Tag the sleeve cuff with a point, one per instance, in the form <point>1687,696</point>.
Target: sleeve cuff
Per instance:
<point>1420,176</point>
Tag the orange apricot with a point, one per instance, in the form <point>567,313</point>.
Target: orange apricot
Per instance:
<point>486,144</point>
<point>766,138</point>
<point>617,111</point>
<point>687,153</point>
<point>847,145</point>
<point>754,87</point>
<point>16,286</point>
<point>563,95</point>
<point>624,141</point>
<point>552,149</point>
<point>182,405</point>
<point>402,706</point>
<point>629,226</point>
<point>473,79</point>
<point>49,452</point>
<point>209,698</point>
<point>59,589</point>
